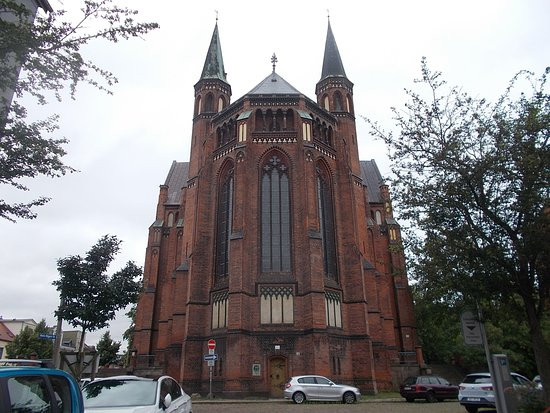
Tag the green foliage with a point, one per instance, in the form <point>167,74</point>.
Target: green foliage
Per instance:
<point>90,297</point>
<point>107,349</point>
<point>42,57</point>
<point>28,342</point>
<point>472,179</point>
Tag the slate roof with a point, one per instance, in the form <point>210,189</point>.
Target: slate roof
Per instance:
<point>332,63</point>
<point>176,180</point>
<point>213,65</point>
<point>274,85</point>
<point>372,179</point>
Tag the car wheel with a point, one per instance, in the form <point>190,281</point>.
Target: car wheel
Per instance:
<point>471,409</point>
<point>409,399</point>
<point>430,398</point>
<point>349,397</point>
<point>299,397</point>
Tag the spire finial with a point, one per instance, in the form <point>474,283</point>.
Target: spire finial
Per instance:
<point>328,15</point>
<point>216,16</point>
<point>274,61</point>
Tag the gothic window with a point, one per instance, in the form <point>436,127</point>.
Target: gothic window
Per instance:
<point>326,221</point>
<point>378,217</point>
<point>198,105</point>
<point>276,305</point>
<point>223,220</point>
<point>209,103</point>
<point>170,220</point>
<point>325,103</point>
<point>338,101</point>
<point>275,213</point>
<point>333,304</point>
<point>219,310</point>
<point>393,234</point>
<point>221,103</point>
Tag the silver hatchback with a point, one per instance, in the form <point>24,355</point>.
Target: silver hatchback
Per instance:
<point>319,388</point>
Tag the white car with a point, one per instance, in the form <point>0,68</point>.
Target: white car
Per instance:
<point>129,394</point>
<point>319,388</point>
<point>476,390</point>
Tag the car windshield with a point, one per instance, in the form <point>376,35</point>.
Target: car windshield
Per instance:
<point>119,393</point>
<point>409,381</point>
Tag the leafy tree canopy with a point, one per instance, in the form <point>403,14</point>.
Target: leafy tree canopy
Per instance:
<point>28,342</point>
<point>107,349</point>
<point>473,181</point>
<point>89,296</point>
<point>45,57</point>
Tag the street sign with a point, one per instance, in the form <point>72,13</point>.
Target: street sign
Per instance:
<point>210,363</point>
<point>45,336</point>
<point>210,357</point>
<point>471,329</point>
<point>211,344</point>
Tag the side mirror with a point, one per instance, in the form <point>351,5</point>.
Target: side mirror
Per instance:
<point>167,401</point>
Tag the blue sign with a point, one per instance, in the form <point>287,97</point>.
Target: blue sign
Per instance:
<point>210,357</point>
<point>46,336</point>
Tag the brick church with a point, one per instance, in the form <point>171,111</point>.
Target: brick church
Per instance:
<point>277,242</point>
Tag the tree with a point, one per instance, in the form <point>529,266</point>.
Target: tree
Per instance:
<point>28,342</point>
<point>107,349</point>
<point>90,297</point>
<point>473,180</point>
<point>48,54</point>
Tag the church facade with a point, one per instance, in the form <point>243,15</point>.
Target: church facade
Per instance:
<point>276,241</point>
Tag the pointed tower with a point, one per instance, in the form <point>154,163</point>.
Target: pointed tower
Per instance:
<point>335,94</point>
<point>212,95</point>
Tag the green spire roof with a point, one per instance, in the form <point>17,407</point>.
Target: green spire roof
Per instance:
<point>332,63</point>
<point>213,65</point>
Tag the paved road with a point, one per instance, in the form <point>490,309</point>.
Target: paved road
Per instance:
<point>365,407</point>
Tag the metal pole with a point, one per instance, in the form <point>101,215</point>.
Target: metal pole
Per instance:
<point>210,384</point>
<point>496,389</point>
<point>57,343</point>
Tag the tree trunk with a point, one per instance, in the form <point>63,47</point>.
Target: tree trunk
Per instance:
<point>540,348</point>
<point>81,354</point>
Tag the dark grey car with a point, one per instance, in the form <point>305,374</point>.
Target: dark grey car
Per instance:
<point>319,388</point>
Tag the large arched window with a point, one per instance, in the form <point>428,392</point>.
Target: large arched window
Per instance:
<point>223,220</point>
<point>326,220</point>
<point>275,207</point>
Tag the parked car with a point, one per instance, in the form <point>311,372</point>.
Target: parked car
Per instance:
<point>476,390</point>
<point>28,387</point>
<point>429,387</point>
<point>126,394</point>
<point>319,388</point>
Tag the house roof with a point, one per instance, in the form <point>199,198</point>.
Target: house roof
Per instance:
<point>5,333</point>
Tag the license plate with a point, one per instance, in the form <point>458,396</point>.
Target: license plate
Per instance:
<point>406,388</point>
<point>473,399</point>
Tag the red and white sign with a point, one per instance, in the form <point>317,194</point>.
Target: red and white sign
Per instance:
<point>211,344</point>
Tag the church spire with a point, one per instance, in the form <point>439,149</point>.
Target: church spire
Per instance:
<point>332,63</point>
<point>213,65</point>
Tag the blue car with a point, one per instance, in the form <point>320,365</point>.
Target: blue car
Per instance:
<point>31,388</point>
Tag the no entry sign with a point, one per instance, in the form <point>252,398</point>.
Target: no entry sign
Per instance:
<point>211,344</point>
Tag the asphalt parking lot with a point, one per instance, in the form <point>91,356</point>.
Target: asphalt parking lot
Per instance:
<point>277,406</point>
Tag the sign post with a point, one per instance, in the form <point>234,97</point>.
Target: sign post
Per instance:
<point>211,359</point>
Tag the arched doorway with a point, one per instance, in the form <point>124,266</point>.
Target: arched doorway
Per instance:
<point>277,376</point>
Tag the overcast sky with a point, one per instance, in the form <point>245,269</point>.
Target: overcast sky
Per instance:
<point>123,145</point>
